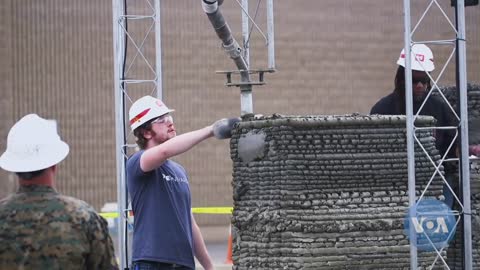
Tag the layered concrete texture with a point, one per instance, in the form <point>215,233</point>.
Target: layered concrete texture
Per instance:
<point>455,254</point>
<point>473,98</point>
<point>326,192</point>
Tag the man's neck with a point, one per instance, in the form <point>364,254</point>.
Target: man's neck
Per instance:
<point>39,181</point>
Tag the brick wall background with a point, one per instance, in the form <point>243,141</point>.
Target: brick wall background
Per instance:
<point>332,57</point>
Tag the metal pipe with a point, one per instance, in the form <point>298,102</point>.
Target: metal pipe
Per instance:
<point>270,35</point>
<point>464,159</point>
<point>245,33</point>
<point>233,50</point>
<point>119,57</point>
<point>224,33</point>
<point>158,51</point>
<point>246,99</point>
<point>410,131</point>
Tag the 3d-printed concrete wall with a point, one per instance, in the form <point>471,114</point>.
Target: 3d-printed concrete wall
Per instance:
<point>454,252</point>
<point>325,192</point>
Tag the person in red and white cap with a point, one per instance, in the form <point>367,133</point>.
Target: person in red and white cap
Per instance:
<point>165,234</point>
<point>422,63</point>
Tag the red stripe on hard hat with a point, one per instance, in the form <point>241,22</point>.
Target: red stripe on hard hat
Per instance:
<point>140,115</point>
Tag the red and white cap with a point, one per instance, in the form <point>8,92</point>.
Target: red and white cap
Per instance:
<point>146,109</point>
<point>421,59</point>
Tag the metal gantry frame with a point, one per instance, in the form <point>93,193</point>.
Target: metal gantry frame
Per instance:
<point>458,42</point>
<point>122,82</point>
<point>123,79</point>
<point>150,16</point>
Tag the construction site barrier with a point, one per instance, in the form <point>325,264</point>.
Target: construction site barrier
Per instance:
<point>195,210</point>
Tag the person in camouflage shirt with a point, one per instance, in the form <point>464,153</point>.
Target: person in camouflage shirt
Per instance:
<point>39,227</point>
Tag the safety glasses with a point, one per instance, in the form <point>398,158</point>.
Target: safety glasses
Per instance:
<point>423,80</point>
<point>163,119</point>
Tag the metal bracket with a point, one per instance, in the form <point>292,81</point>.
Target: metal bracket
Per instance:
<point>260,73</point>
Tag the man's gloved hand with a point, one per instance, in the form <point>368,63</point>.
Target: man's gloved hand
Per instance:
<point>222,129</point>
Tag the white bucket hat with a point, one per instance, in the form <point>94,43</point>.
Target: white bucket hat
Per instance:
<point>421,60</point>
<point>145,109</point>
<point>33,144</point>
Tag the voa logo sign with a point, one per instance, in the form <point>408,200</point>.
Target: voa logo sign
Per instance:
<point>433,224</point>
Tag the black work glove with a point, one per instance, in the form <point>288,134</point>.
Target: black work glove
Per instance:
<point>222,129</point>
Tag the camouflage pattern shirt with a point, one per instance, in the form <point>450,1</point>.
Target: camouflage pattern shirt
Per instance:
<point>42,229</point>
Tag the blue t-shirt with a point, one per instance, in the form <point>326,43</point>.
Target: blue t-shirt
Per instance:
<point>161,205</point>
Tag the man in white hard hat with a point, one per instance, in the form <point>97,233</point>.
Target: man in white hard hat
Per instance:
<point>394,104</point>
<point>39,227</point>
<point>421,64</point>
<point>165,235</point>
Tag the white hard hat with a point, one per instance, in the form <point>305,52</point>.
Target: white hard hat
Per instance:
<point>145,109</point>
<point>423,60</point>
<point>33,144</point>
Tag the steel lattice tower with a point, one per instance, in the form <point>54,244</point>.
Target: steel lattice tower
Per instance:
<point>457,43</point>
